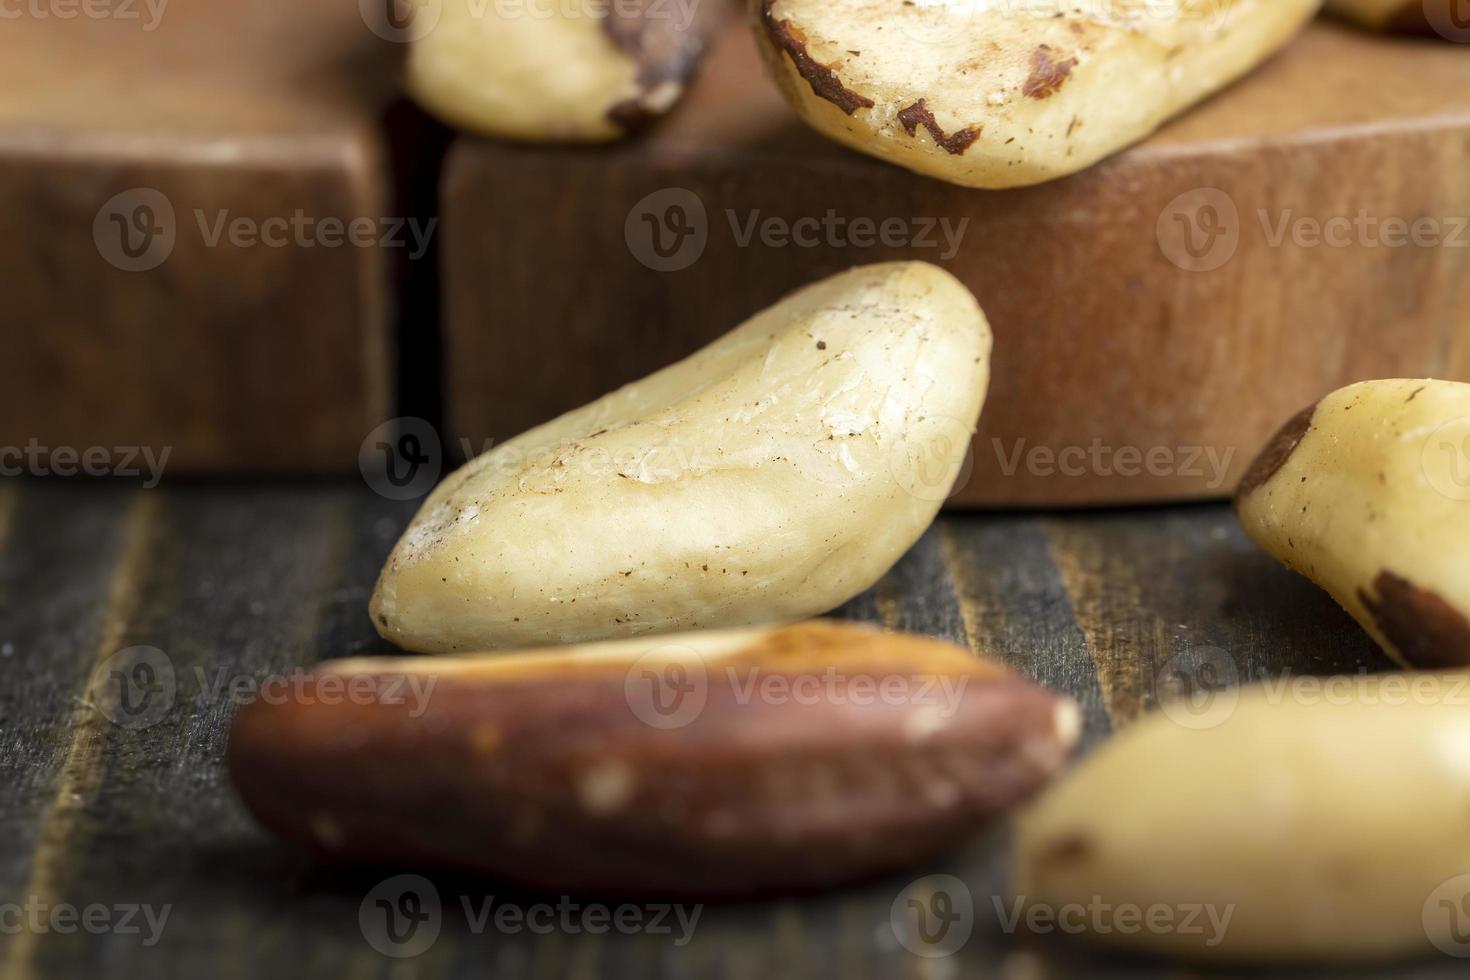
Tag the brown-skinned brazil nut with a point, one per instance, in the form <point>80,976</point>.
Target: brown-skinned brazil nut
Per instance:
<point>698,765</point>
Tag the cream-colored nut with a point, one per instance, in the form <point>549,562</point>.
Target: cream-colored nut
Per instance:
<point>576,70</point>
<point>1410,16</point>
<point>1367,494</point>
<point>1308,826</point>
<point>989,94</point>
<point>773,475</point>
<point>708,764</point>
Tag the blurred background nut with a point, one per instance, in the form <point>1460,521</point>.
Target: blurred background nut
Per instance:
<point>820,753</point>
<point>575,70</point>
<point>753,482</point>
<point>1365,494</point>
<point>1409,16</point>
<point>1296,830</point>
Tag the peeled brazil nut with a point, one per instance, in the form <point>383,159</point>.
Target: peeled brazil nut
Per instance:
<point>577,70</point>
<point>1005,94</point>
<point>1367,494</point>
<point>773,475</point>
<point>1409,16</point>
<point>1307,826</point>
<point>706,765</point>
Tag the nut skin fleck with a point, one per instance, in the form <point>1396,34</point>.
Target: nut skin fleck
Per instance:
<point>918,115</point>
<point>1048,73</point>
<point>1428,632</point>
<point>666,55</point>
<point>1066,852</point>
<point>823,79</point>
<point>1276,453</point>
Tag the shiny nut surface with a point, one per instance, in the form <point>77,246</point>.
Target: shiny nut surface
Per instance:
<point>771,476</point>
<point>1315,822</point>
<point>705,765</point>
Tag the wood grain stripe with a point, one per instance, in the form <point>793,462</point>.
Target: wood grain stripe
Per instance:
<point>9,503</point>
<point>1104,591</point>
<point>81,771</point>
<point>963,584</point>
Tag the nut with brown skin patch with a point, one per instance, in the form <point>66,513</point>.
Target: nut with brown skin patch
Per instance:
<point>1305,829</point>
<point>1426,630</point>
<point>1368,495</point>
<point>580,71</point>
<point>701,765</point>
<point>1008,98</point>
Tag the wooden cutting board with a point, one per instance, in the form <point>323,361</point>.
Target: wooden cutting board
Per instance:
<point>1155,318</point>
<point>131,142</point>
<point>231,585</point>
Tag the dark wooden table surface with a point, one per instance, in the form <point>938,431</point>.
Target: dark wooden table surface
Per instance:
<point>235,583</point>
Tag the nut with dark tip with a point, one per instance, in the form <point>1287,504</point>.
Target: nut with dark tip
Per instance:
<point>701,765</point>
<point>1368,495</point>
<point>577,71</point>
